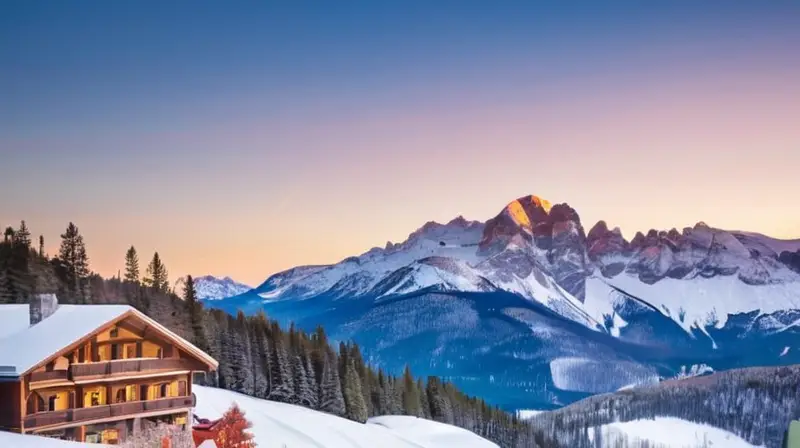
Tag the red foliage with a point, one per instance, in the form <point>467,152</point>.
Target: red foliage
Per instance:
<point>229,432</point>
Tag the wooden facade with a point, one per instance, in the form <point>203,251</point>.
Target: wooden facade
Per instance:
<point>106,385</point>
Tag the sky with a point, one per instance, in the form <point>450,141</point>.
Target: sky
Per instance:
<point>243,138</point>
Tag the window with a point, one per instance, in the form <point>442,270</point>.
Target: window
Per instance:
<point>121,398</point>
<point>163,390</point>
<point>51,403</point>
<point>182,388</point>
<point>94,398</point>
<point>81,355</point>
<point>130,351</point>
<point>114,332</point>
<point>115,351</point>
<point>160,354</point>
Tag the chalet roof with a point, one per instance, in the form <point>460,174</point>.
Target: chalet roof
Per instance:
<point>24,346</point>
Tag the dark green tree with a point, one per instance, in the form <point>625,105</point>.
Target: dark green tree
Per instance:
<point>74,263</point>
<point>23,235</point>
<point>131,265</point>
<point>157,275</point>
<point>195,312</point>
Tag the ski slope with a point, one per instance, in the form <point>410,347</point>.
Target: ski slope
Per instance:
<point>278,425</point>
<point>673,433</point>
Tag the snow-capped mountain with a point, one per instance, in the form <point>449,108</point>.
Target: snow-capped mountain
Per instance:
<point>696,277</point>
<point>529,291</point>
<point>209,287</point>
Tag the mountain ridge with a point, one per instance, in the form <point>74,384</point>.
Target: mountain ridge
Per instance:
<point>531,294</point>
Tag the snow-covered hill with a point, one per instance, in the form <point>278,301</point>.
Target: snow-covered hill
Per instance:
<point>283,425</point>
<point>669,432</point>
<point>209,287</point>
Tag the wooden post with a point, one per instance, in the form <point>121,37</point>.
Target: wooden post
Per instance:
<point>80,434</point>
<point>95,350</point>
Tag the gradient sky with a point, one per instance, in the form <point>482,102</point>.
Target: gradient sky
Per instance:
<point>242,138</point>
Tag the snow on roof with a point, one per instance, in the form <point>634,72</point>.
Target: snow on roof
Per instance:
<point>13,318</point>
<point>30,345</point>
<point>23,346</point>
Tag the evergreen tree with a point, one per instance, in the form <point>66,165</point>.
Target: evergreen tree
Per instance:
<point>74,263</point>
<point>353,397</point>
<point>259,355</point>
<point>423,400</point>
<point>195,311</point>
<point>23,235</point>
<point>8,235</point>
<point>157,275</point>
<point>131,265</point>
<point>304,391</point>
<point>41,246</point>
<point>331,398</point>
<point>280,375</point>
<point>313,385</point>
<point>411,401</point>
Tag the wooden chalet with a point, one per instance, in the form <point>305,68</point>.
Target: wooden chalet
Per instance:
<point>92,373</point>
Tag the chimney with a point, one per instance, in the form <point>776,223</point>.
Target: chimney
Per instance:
<point>42,306</point>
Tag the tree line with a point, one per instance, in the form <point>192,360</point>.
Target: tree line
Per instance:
<point>257,356</point>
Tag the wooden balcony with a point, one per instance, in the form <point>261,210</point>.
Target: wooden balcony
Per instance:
<point>122,410</point>
<point>54,375</point>
<point>123,366</point>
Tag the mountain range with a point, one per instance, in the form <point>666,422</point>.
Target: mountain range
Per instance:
<point>209,287</point>
<point>528,309</point>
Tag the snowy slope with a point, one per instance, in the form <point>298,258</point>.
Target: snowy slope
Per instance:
<point>13,440</point>
<point>279,424</point>
<point>209,287</point>
<point>673,433</point>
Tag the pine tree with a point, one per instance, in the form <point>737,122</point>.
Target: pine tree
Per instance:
<point>411,401</point>
<point>75,263</point>
<point>8,235</point>
<point>259,355</point>
<point>423,400</point>
<point>353,397</point>
<point>157,275</point>
<point>331,398</point>
<point>195,311</point>
<point>280,374</point>
<point>304,392</point>
<point>23,235</point>
<point>313,385</point>
<point>131,265</point>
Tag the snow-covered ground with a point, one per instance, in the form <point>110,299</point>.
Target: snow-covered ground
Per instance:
<point>674,433</point>
<point>525,414</point>
<point>283,425</point>
<point>13,440</point>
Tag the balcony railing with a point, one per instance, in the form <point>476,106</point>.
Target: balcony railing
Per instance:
<point>108,368</point>
<point>107,411</point>
<point>50,376</point>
